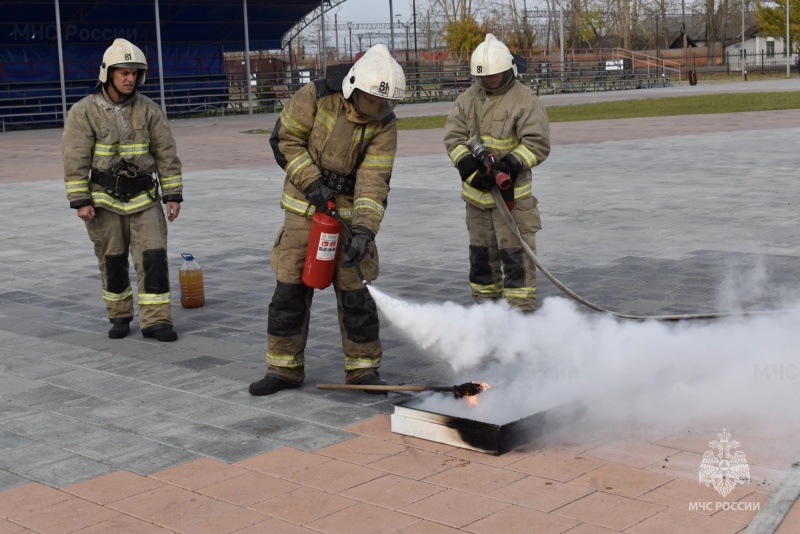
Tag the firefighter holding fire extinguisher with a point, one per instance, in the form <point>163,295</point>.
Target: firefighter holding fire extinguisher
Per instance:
<point>336,139</point>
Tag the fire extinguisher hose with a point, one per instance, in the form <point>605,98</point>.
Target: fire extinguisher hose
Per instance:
<point>349,232</point>
<point>509,220</point>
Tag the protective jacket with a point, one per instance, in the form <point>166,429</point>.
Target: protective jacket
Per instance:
<point>99,134</point>
<point>318,133</point>
<point>510,123</point>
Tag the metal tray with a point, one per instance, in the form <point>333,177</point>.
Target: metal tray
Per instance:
<point>478,435</point>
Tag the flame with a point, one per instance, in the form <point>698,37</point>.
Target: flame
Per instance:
<point>473,399</point>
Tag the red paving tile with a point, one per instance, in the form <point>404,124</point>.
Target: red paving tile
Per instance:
<point>249,488</point>
<point>587,528</point>
<point>744,510</point>
<point>633,453</point>
<point>362,450</point>
<point>378,427</point>
<point>622,480</point>
<point>673,520</point>
<point>520,519</point>
<point>334,476</point>
<point>363,518</point>
<point>7,527</point>
<point>683,494</point>
<point>21,501</point>
<point>124,524</point>
<point>475,478</point>
<point>416,464</point>
<point>454,508</point>
<point>113,487</point>
<point>540,493</point>
<point>392,492</point>
<point>791,523</point>
<point>199,473</point>
<point>610,511</point>
<point>427,527</point>
<point>66,516</point>
<point>557,465</point>
<point>303,505</point>
<point>187,511</point>
<point>283,461</point>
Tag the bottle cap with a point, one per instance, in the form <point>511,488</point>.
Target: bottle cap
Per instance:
<point>188,257</point>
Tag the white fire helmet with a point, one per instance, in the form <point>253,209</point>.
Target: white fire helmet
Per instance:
<point>492,57</point>
<point>123,54</point>
<point>376,83</point>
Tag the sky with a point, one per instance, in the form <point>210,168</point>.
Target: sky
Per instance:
<point>373,10</point>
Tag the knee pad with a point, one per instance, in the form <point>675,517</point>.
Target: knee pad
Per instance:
<point>117,277</point>
<point>480,271</point>
<point>513,267</point>
<point>156,271</point>
<point>359,316</point>
<point>288,309</point>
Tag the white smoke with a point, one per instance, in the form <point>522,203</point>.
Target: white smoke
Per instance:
<point>744,368</point>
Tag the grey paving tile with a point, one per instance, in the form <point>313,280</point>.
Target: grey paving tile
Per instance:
<point>192,435</point>
<point>154,458</point>
<point>10,410</point>
<point>9,480</point>
<point>11,384</point>
<point>10,440</point>
<point>53,428</point>
<point>236,447</point>
<point>70,471</point>
<point>27,459</point>
<point>47,397</point>
<point>110,445</point>
<point>147,424</point>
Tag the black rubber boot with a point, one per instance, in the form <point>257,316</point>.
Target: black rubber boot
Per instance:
<point>370,379</point>
<point>269,385</point>
<point>160,332</point>
<point>119,328</point>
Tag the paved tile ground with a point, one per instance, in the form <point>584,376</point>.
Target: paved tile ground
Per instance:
<point>645,216</point>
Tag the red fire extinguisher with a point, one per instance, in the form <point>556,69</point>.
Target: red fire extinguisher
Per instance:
<point>322,246</point>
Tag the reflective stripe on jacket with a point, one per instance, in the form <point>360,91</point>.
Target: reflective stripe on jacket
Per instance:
<point>99,134</point>
<point>319,129</point>
<point>512,123</point>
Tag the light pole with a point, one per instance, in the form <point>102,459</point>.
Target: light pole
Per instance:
<point>414,8</point>
<point>744,52</point>
<point>391,25</point>
<point>788,44</point>
<point>359,43</point>
<point>350,30</point>
<point>399,24</point>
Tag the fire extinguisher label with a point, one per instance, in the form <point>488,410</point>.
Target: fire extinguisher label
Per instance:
<point>326,249</point>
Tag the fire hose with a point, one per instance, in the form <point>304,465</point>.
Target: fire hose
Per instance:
<point>509,220</point>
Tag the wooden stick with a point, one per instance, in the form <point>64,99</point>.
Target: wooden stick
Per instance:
<point>385,388</point>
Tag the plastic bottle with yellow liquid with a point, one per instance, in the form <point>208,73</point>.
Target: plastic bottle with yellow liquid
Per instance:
<point>191,280</point>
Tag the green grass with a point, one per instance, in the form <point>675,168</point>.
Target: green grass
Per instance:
<point>650,107</point>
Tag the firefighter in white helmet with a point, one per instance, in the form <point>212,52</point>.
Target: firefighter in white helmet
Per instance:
<point>336,139</point>
<point>508,118</point>
<point>120,164</point>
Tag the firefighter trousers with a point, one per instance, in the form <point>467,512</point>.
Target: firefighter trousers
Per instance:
<point>498,265</point>
<point>143,235</point>
<point>290,308</point>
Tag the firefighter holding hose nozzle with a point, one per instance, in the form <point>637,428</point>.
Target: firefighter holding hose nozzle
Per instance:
<point>498,128</point>
<point>336,139</point>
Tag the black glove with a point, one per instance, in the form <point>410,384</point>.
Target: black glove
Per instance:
<point>318,194</point>
<point>356,247</point>
<point>467,165</point>
<point>509,166</point>
<point>483,181</point>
